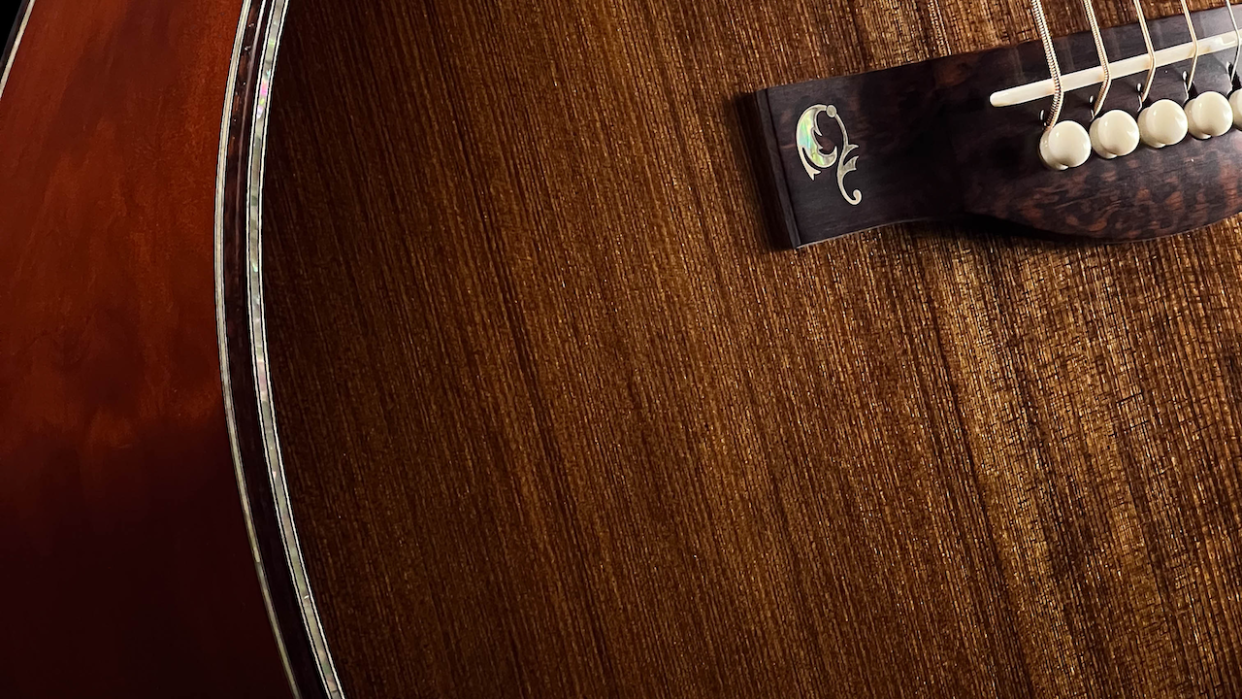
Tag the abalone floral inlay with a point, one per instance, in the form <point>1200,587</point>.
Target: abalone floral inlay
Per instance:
<point>813,157</point>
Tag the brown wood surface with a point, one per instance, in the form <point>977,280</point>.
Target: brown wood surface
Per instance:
<point>125,570</point>
<point>561,422</point>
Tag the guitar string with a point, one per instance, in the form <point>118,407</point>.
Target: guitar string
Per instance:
<point>1134,65</point>
<point>1237,52</point>
<point>1145,88</point>
<point>1103,54</point>
<point>1194,40</point>
<point>1050,51</point>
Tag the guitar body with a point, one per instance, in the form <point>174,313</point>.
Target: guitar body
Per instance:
<point>125,566</point>
<point>528,396</point>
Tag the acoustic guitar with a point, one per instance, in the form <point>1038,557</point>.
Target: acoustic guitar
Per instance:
<point>620,348</point>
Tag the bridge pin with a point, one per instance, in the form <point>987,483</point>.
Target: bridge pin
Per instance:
<point>1209,115</point>
<point>1235,101</point>
<point>1114,134</point>
<point>1065,145</point>
<point>1163,124</point>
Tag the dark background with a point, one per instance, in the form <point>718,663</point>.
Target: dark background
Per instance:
<point>8,17</point>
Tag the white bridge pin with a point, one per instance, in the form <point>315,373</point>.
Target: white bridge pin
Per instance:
<point>1163,124</point>
<point>1209,115</point>
<point>1065,145</point>
<point>1115,134</point>
<point>1235,105</point>
<point>1235,101</point>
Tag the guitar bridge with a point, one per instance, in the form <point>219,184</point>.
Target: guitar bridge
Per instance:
<point>960,137</point>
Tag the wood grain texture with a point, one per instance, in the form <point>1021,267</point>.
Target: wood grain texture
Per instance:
<point>561,422</point>
<point>125,567</point>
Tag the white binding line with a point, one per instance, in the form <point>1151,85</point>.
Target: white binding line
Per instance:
<point>17,41</point>
<point>222,346</point>
<point>330,682</point>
